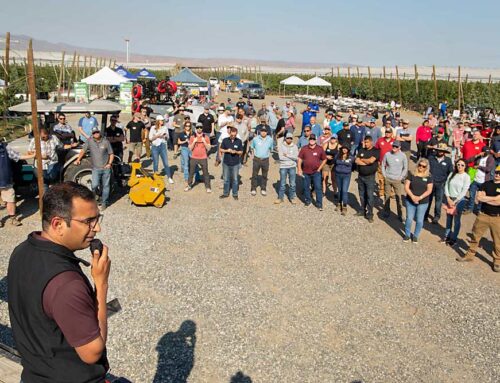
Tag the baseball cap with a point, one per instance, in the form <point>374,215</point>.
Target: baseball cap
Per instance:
<point>199,125</point>
<point>485,149</point>
<point>181,108</point>
<point>406,121</point>
<point>263,128</point>
<point>388,131</point>
<point>334,136</point>
<point>440,130</point>
<point>345,123</point>
<point>228,108</point>
<point>96,129</point>
<point>373,120</point>
<point>330,112</point>
<point>396,144</point>
<point>497,169</point>
<point>312,137</point>
<point>159,118</point>
<point>289,135</point>
<point>220,109</point>
<point>355,116</point>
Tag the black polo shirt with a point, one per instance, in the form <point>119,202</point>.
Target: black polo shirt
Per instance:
<point>206,121</point>
<point>116,132</point>
<point>368,170</point>
<point>491,189</point>
<point>231,159</point>
<point>135,129</point>
<point>345,137</point>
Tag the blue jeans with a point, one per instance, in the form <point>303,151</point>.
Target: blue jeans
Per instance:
<point>102,178</point>
<point>50,175</point>
<point>230,175</point>
<point>474,187</point>
<point>343,181</point>
<point>438,195</point>
<point>318,188</point>
<point>291,173</point>
<point>160,151</point>
<point>185,152</point>
<point>417,212</point>
<point>455,221</point>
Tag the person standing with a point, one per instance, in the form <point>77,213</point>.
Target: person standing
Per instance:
<point>243,125</point>
<point>147,125</point>
<point>343,164</point>
<point>443,107</point>
<point>316,128</point>
<point>358,133</point>
<point>306,118</point>
<point>199,145</point>
<point>101,159</point>
<point>85,126</point>
<point>183,142</point>
<point>472,148</point>
<point>384,145</point>
<point>59,319</point>
<point>455,190</point>
<point>484,164</point>
<point>304,140</point>
<point>373,131</point>
<point>136,131</point>
<point>418,187</point>
<point>261,146</point>
<point>116,137</point>
<point>394,170</point>
<point>178,124</point>
<point>290,121</point>
<point>208,122</point>
<point>64,133</point>
<point>288,154</point>
<point>423,136</point>
<point>232,150</point>
<point>437,140</point>
<point>337,124</point>
<point>404,136</point>
<point>440,167</point>
<point>488,218</point>
<point>345,135</point>
<point>158,136</point>
<point>311,160</point>
<point>457,141</point>
<point>331,148</point>
<point>367,161</point>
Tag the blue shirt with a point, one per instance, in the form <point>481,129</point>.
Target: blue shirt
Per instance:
<point>317,130</point>
<point>306,117</point>
<point>336,126</point>
<point>273,120</point>
<point>262,147</point>
<point>303,141</point>
<point>358,134</point>
<point>87,124</point>
<point>375,133</point>
<point>314,108</point>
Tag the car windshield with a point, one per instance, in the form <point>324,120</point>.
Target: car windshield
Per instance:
<point>254,86</point>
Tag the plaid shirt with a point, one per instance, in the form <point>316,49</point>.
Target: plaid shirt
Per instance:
<point>49,151</point>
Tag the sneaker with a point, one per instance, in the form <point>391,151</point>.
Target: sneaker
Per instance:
<point>337,207</point>
<point>235,197</point>
<point>187,188</point>
<point>496,267</point>
<point>209,190</point>
<point>400,218</point>
<point>293,201</point>
<point>263,192</point>
<point>278,201</point>
<point>253,192</point>
<point>464,259</point>
<point>415,241</point>
<point>14,221</point>
<point>435,221</point>
<point>451,242</point>
<point>444,240</point>
<point>343,210</point>
<point>360,213</point>
<point>370,219</point>
<point>170,181</point>
<point>103,207</point>
<point>222,196</point>
<point>406,239</point>
<point>320,208</point>
<point>307,204</point>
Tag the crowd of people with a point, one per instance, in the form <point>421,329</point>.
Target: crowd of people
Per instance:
<point>456,167</point>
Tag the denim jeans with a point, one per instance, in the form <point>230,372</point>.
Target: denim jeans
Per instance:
<point>160,151</point>
<point>318,188</point>
<point>50,175</point>
<point>437,195</point>
<point>292,174</point>
<point>417,212</point>
<point>455,221</point>
<point>185,152</point>
<point>343,181</point>
<point>102,178</point>
<point>474,187</point>
<point>230,175</point>
<point>366,188</point>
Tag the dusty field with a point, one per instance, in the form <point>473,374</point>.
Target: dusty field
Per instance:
<point>247,291</point>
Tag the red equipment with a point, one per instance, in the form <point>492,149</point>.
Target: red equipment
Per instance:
<point>137,91</point>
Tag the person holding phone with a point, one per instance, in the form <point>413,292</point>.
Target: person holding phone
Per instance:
<point>158,136</point>
<point>59,319</point>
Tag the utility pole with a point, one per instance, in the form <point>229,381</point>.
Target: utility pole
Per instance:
<point>127,41</point>
<point>6,67</point>
<point>34,122</point>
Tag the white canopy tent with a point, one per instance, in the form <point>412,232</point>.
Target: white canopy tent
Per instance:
<point>105,76</point>
<point>316,81</point>
<point>292,80</point>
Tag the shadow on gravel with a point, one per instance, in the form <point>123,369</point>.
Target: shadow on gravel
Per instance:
<point>176,354</point>
<point>240,377</point>
<point>6,336</point>
<point>3,289</point>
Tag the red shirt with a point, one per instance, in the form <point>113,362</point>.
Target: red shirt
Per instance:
<point>383,146</point>
<point>311,158</point>
<point>471,149</point>
<point>424,134</point>
<point>199,151</point>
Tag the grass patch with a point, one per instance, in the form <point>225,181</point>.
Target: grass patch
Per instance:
<point>13,128</point>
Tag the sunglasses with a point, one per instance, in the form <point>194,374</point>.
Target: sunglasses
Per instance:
<point>497,173</point>
<point>422,166</point>
<point>327,129</point>
<point>307,130</point>
<point>463,165</point>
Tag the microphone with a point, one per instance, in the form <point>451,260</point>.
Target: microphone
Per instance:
<point>96,244</point>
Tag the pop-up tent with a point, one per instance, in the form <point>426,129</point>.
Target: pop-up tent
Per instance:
<point>187,78</point>
<point>125,73</point>
<point>144,73</point>
<point>316,81</point>
<point>291,81</point>
<point>105,76</point>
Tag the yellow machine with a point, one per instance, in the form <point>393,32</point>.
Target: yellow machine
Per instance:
<point>146,188</point>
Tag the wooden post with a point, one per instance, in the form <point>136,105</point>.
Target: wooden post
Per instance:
<point>416,80</point>
<point>490,91</point>
<point>61,77</point>
<point>6,68</point>
<point>84,66</point>
<point>34,122</point>
<point>435,84</point>
<point>70,78</point>
<point>349,78</point>
<point>448,77</point>
<point>357,70</point>
<point>399,86</point>
<point>370,79</point>
<point>338,77</point>
<point>385,82</point>
<point>459,89</point>
<point>77,67</point>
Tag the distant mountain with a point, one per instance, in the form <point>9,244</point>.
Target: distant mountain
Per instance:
<point>22,42</point>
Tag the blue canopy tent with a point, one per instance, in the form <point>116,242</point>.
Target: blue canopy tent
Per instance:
<point>144,73</point>
<point>125,73</point>
<point>187,78</point>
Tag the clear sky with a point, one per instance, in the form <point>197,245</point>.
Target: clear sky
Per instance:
<point>362,32</point>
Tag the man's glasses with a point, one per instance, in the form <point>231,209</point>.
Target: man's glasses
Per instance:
<point>90,222</point>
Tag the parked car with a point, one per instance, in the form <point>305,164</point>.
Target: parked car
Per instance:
<point>253,90</point>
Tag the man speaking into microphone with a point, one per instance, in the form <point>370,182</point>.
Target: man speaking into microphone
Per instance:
<point>58,319</point>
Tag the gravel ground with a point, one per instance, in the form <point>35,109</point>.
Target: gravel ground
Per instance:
<point>247,291</point>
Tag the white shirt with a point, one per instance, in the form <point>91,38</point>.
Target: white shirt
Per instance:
<point>224,121</point>
<point>154,132</point>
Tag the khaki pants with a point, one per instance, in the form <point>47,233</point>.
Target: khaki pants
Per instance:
<point>380,181</point>
<point>135,149</point>
<point>396,187</point>
<point>484,222</point>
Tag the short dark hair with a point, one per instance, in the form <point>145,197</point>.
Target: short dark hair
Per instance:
<point>58,201</point>
<point>368,138</point>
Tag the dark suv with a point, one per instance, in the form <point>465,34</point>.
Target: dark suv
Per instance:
<point>253,90</point>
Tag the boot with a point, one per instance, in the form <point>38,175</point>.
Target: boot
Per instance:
<point>337,205</point>
<point>14,221</point>
<point>343,210</point>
